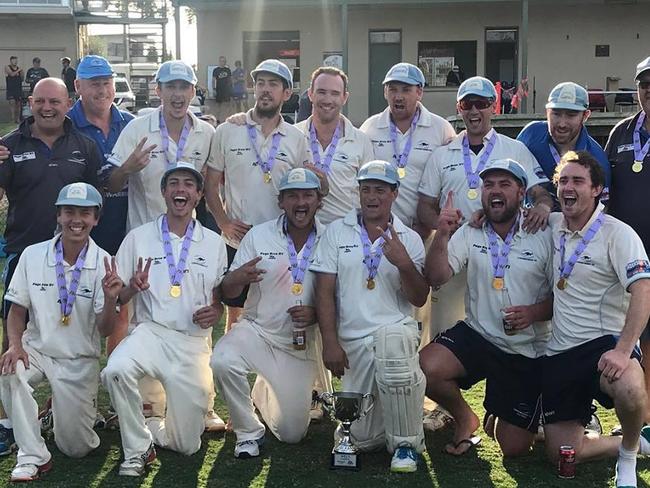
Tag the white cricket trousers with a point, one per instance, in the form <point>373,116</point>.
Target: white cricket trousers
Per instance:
<point>74,385</point>
<point>282,391</point>
<point>181,363</point>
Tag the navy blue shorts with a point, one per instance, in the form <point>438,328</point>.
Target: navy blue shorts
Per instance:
<point>513,386</point>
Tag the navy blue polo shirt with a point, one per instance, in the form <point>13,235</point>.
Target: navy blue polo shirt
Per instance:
<point>536,137</point>
<point>33,176</point>
<point>629,192</point>
<point>111,229</point>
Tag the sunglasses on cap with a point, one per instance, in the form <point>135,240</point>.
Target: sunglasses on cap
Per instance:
<point>644,85</point>
<point>479,103</point>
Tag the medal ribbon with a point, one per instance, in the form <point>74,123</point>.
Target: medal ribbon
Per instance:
<point>182,141</point>
<point>640,152</point>
<point>401,159</point>
<point>472,176</point>
<point>567,268</point>
<point>298,269</point>
<point>554,153</point>
<point>176,272</point>
<point>371,257</point>
<point>499,255</point>
<point>267,165</point>
<point>325,164</point>
<point>67,297</point>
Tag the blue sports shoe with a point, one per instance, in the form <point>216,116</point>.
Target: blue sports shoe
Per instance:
<point>7,441</point>
<point>405,460</point>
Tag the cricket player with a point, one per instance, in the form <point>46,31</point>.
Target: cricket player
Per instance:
<point>69,288</point>
<point>368,268</point>
<point>273,258</point>
<point>172,266</point>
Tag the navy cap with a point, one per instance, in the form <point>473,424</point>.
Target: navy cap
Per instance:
<point>182,166</point>
<point>379,170</point>
<point>79,195</point>
<point>476,85</point>
<point>92,66</point>
<point>275,67</point>
<point>405,73</point>
<point>642,67</point>
<point>508,165</point>
<point>299,179</point>
<point>175,70</point>
<point>568,96</point>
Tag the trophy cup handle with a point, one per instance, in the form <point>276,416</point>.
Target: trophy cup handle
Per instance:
<point>369,401</point>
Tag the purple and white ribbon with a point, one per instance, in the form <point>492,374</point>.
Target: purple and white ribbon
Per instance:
<point>500,255</point>
<point>401,158</point>
<point>298,268</point>
<point>371,255</point>
<point>67,296</point>
<point>566,268</point>
<point>324,164</point>
<point>182,141</point>
<point>640,152</point>
<point>473,179</point>
<point>176,272</point>
<point>267,165</point>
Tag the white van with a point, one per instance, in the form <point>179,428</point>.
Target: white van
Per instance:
<point>124,96</point>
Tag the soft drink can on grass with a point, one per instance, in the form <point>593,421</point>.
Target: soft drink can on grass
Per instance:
<point>566,468</point>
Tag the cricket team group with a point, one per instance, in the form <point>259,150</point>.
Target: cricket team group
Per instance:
<point>405,259</point>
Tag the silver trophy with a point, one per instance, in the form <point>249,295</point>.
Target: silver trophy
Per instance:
<point>346,407</point>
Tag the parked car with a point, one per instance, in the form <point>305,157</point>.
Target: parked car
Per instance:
<point>124,96</point>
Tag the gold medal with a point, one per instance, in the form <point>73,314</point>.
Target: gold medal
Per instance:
<point>472,194</point>
<point>296,289</point>
<point>175,291</point>
<point>637,167</point>
<point>562,283</point>
<point>370,284</point>
<point>267,177</point>
<point>65,320</point>
<point>497,283</point>
<point>401,172</point>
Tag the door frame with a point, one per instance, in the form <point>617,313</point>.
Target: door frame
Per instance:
<point>370,32</point>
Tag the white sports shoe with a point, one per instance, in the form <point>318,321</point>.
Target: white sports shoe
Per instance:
<point>29,472</point>
<point>405,460</point>
<point>214,423</point>
<point>247,449</point>
<point>138,466</point>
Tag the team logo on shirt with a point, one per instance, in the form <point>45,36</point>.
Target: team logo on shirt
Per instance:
<point>26,156</point>
<point>452,166</point>
<point>40,286</point>
<point>85,292</point>
<point>348,247</point>
<point>281,155</point>
<point>341,157</point>
<point>422,146</point>
<point>77,157</point>
<point>527,255</point>
<point>380,143</point>
<point>587,260</point>
<point>637,267</point>
<point>239,151</point>
<point>200,261</point>
<point>625,148</point>
<point>271,255</point>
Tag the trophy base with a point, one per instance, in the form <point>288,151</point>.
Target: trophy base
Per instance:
<point>345,461</point>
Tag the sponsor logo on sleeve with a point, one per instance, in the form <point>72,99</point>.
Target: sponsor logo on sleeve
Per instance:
<point>637,267</point>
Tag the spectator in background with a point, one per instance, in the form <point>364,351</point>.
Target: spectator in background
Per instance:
<point>35,74</point>
<point>68,75</point>
<point>14,79</point>
<point>239,94</point>
<point>454,77</point>
<point>222,86</point>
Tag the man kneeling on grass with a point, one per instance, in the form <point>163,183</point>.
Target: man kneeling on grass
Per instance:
<point>71,305</point>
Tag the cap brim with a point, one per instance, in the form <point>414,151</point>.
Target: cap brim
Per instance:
<point>176,78</point>
<point>299,186</point>
<point>407,81</point>
<point>385,179</point>
<point>524,182</point>
<point>566,106</point>
<point>255,72</point>
<point>488,96</point>
<point>92,76</point>
<point>644,70</point>
<point>76,202</point>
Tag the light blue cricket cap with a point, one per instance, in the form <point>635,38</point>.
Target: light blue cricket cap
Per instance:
<point>508,165</point>
<point>182,166</point>
<point>378,170</point>
<point>79,195</point>
<point>405,73</point>
<point>93,66</point>
<point>275,67</point>
<point>299,179</point>
<point>642,67</point>
<point>568,96</point>
<point>175,70</point>
<point>477,86</point>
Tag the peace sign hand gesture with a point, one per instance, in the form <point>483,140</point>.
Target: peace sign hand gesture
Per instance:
<point>139,158</point>
<point>140,280</point>
<point>394,250</point>
<point>111,283</point>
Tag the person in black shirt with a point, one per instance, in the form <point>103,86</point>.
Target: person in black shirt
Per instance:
<point>222,86</point>
<point>14,79</point>
<point>68,75</point>
<point>46,153</point>
<point>35,74</point>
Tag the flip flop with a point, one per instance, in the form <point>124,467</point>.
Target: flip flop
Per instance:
<point>488,424</point>
<point>470,441</point>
